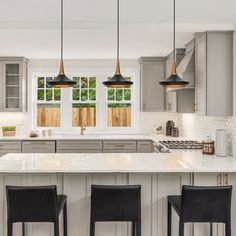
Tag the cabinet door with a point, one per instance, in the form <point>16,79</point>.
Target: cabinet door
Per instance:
<point>12,86</point>
<point>185,101</point>
<point>200,74</point>
<point>207,179</point>
<point>171,102</point>
<point>152,94</point>
<point>38,146</point>
<point>144,146</point>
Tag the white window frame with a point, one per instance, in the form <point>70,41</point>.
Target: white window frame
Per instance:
<point>101,103</point>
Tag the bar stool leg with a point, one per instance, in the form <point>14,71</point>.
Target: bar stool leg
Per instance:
<point>138,228</point>
<point>211,229</point>
<point>133,228</point>
<point>9,228</point>
<point>228,229</point>
<point>181,228</point>
<point>92,228</point>
<point>65,219</point>
<point>23,228</point>
<point>169,220</point>
<point>56,228</point>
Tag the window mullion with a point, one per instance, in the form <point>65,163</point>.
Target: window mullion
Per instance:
<point>66,109</point>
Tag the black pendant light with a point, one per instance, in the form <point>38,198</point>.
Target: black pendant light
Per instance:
<point>174,81</point>
<point>61,81</point>
<point>118,81</point>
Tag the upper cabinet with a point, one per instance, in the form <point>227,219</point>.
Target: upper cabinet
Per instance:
<point>152,94</point>
<point>214,73</point>
<point>13,76</point>
<point>181,100</point>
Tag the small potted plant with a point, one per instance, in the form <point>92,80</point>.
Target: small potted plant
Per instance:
<point>8,130</point>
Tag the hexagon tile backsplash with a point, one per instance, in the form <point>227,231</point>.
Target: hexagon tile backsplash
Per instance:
<point>190,125</point>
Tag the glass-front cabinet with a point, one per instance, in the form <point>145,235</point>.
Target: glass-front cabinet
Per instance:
<point>14,74</point>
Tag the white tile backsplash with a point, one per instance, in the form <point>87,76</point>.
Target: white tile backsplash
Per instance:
<point>149,120</point>
<point>17,119</point>
<point>191,126</point>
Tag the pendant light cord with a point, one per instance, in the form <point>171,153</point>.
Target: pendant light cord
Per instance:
<point>174,56</point>
<point>62,29</point>
<point>118,30</point>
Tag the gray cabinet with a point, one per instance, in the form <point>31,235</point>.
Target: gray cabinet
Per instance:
<point>152,94</point>
<point>38,146</point>
<point>13,76</point>
<point>182,101</point>
<point>144,146</point>
<point>214,73</point>
<point>119,146</point>
<point>76,146</point>
<point>10,147</point>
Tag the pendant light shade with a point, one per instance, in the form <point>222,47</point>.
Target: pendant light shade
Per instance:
<point>174,81</point>
<point>118,81</point>
<point>61,81</point>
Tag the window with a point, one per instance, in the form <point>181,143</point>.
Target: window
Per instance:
<point>89,102</point>
<point>119,106</point>
<point>84,102</point>
<point>48,104</point>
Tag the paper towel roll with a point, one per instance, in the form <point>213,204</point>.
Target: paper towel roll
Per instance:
<point>221,143</point>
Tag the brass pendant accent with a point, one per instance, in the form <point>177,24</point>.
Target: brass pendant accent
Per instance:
<point>118,68</point>
<point>61,71</point>
<point>174,71</point>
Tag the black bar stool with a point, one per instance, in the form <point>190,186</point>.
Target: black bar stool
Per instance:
<point>202,204</point>
<point>116,203</point>
<point>35,204</point>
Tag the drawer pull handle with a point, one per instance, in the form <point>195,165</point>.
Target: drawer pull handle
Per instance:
<point>219,182</point>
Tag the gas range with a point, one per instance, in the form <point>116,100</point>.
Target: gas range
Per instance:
<point>177,146</point>
<point>181,144</point>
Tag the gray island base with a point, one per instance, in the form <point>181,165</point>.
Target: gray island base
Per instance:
<point>159,175</point>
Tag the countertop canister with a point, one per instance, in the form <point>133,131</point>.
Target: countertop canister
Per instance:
<point>221,143</point>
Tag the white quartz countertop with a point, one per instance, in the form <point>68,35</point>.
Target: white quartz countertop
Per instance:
<point>153,137</point>
<point>115,162</point>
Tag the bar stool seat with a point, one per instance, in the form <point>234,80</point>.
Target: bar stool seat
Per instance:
<point>201,204</point>
<point>35,204</point>
<point>112,203</point>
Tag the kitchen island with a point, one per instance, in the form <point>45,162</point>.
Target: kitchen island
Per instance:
<point>160,174</point>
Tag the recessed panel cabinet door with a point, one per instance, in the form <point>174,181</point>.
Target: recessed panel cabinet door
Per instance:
<point>200,75</point>
<point>38,146</point>
<point>152,93</point>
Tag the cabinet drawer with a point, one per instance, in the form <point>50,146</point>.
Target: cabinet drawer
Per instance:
<point>120,151</point>
<point>38,147</point>
<point>119,145</point>
<point>144,146</point>
<point>80,151</point>
<point>79,145</point>
<point>10,145</point>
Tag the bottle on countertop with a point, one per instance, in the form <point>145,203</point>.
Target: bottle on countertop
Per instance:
<point>169,126</point>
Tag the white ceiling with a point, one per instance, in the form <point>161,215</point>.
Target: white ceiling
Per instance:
<point>31,28</point>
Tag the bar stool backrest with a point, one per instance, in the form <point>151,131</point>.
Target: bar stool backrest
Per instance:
<point>115,203</point>
<point>32,203</point>
<point>206,204</point>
